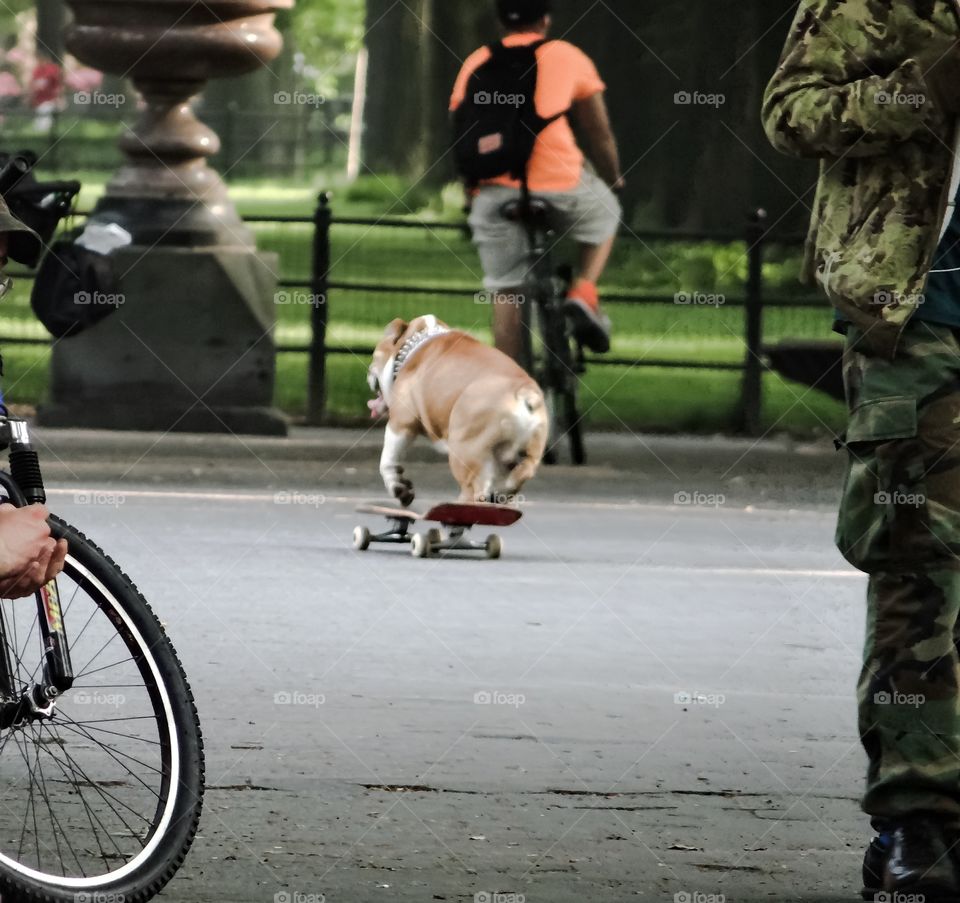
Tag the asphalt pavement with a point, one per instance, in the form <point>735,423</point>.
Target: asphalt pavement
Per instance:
<point>650,697</point>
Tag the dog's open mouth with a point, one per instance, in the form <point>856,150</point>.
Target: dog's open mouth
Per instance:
<point>378,406</point>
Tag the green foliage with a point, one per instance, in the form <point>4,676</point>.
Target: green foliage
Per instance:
<point>329,33</point>
<point>386,194</point>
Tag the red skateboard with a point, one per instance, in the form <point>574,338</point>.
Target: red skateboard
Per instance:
<point>455,519</point>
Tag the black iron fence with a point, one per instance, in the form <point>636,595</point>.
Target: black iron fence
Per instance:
<point>342,279</point>
<point>362,283</point>
<point>289,139</point>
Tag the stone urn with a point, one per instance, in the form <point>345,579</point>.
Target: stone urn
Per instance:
<point>170,48</point>
<point>191,346</point>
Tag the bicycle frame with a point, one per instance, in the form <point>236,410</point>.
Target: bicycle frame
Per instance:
<point>57,677</point>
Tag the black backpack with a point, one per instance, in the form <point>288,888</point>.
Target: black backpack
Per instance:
<point>497,125</point>
<point>75,288</point>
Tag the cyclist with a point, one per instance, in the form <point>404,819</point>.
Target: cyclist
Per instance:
<point>567,83</point>
<point>29,556</point>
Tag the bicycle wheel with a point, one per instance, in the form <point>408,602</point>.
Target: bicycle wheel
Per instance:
<point>559,381</point>
<point>573,427</point>
<point>103,792</point>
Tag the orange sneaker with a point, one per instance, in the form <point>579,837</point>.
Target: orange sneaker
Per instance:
<point>591,326</point>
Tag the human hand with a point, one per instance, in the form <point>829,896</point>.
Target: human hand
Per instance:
<point>29,556</point>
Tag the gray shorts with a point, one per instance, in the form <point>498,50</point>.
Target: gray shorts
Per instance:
<point>590,214</point>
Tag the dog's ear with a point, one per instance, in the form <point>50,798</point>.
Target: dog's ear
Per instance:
<point>395,330</point>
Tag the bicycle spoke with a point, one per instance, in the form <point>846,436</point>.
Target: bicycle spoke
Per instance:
<point>111,752</point>
<point>104,667</point>
<point>103,730</point>
<point>106,797</point>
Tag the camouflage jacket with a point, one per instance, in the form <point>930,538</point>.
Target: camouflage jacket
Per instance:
<point>850,91</point>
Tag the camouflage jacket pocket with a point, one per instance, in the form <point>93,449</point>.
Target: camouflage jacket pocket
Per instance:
<point>884,484</point>
<point>881,419</point>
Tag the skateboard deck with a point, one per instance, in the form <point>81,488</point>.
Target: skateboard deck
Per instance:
<point>480,514</point>
<point>386,511</point>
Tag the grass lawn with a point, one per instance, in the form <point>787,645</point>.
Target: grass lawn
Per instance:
<point>639,397</point>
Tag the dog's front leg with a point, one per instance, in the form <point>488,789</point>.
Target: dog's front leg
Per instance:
<point>395,445</point>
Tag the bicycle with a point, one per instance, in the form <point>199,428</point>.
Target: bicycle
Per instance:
<point>551,354</point>
<point>101,753</point>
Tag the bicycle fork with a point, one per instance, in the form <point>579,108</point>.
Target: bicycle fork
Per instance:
<point>24,485</point>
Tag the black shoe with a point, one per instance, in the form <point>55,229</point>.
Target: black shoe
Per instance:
<point>591,328</point>
<point>875,864</point>
<point>922,861</point>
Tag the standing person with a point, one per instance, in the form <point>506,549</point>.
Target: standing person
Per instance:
<point>872,90</point>
<point>29,556</point>
<point>565,83</point>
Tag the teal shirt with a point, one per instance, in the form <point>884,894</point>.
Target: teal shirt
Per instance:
<point>941,299</point>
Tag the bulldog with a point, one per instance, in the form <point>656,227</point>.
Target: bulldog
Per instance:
<point>471,401</point>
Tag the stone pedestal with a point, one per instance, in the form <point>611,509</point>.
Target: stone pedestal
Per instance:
<point>189,347</point>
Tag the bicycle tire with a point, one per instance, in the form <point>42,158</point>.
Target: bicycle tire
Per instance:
<point>171,837</point>
<point>573,426</point>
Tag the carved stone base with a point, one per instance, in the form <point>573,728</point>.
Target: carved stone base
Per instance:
<point>189,348</point>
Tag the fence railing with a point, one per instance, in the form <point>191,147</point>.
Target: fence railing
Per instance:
<point>288,140</point>
<point>362,272</point>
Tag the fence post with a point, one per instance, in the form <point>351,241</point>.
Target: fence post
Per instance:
<point>319,311</point>
<point>751,400</point>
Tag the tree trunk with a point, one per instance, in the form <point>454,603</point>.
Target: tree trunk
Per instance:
<point>51,19</point>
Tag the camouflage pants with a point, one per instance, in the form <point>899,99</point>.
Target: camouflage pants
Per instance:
<point>900,523</point>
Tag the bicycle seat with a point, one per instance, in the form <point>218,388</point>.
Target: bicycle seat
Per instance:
<point>536,212</point>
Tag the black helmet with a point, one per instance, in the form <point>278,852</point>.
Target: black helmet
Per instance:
<point>515,14</point>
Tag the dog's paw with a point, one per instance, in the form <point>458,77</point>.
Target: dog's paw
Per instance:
<point>403,492</point>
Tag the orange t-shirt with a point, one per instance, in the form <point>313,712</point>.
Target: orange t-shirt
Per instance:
<point>565,74</point>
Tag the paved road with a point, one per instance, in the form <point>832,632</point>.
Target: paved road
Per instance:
<point>641,700</point>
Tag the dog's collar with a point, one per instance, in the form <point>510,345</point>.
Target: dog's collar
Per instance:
<point>412,345</point>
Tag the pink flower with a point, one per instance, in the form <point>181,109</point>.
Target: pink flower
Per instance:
<point>9,86</point>
<point>84,79</point>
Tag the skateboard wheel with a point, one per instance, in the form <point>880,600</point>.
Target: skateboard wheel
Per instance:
<point>420,547</point>
<point>361,539</point>
<point>434,536</point>
<point>494,546</point>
